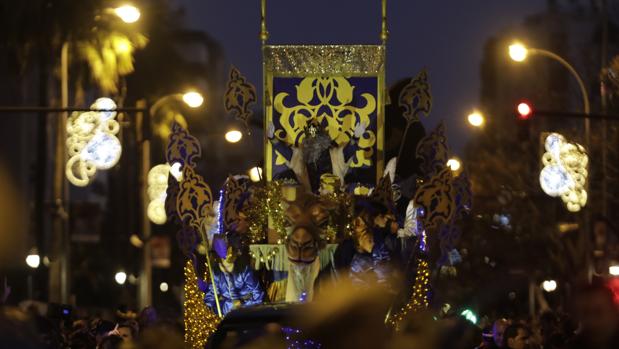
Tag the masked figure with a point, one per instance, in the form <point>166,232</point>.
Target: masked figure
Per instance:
<point>235,281</point>
<point>307,217</point>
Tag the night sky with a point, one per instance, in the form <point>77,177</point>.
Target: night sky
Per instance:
<point>446,37</point>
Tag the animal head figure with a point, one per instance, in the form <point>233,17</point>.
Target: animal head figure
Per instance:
<point>307,217</point>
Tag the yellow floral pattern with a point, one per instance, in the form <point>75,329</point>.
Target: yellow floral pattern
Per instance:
<point>327,101</point>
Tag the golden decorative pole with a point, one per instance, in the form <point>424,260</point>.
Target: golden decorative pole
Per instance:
<point>210,269</point>
<point>264,34</point>
<point>384,34</point>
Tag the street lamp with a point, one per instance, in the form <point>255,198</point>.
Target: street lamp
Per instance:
<point>255,174</point>
<point>128,13</point>
<point>120,277</point>
<point>454,165</point>
<point>549,285</point>
<point>193,99</point>
<point>519,53</point>
<point>33,259</point>
<point>233,136</point>
<point>524,110</point>
<point>476,119</point>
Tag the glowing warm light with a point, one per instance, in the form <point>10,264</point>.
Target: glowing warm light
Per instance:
<point>454,164</point>
<point>91,142</point>
<point>524,110</point>
<point>33,260</point>
<point>193,99</point>
<point>518,52</point>
<point>476,119</point>
<point>120,277</point>
<point>128,13</point>
<point>122,45</point>
<point>157,186</point>
<point>163,287</point>
<point>136,241</point>
<point>255,174</point>
<point>233,136</point>
<point>549,285</point>
<point>132,279</point>
<point>613,270</point>
<point>565,171</point>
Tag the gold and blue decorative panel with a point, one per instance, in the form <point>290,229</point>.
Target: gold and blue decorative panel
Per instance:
<point>324,105</point>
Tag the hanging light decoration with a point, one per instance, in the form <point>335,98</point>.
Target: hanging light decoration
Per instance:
<point>565,171</point>
<point>157,186</point>
<point>91,142</point>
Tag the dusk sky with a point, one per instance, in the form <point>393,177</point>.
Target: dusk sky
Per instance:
<point>446,37</point>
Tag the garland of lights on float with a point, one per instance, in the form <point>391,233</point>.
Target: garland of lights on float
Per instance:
<point>91,142</point>
<point>565,171</point>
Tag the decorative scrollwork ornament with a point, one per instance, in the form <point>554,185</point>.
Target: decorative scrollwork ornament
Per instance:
<point>91,142</point>
<point>240,94</point>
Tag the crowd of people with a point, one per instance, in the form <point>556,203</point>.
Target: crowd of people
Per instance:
<point>592,322</point>
<point>60,327</point>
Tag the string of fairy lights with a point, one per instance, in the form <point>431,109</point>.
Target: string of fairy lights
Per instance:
<point>267,211</point>
<point>420,297</point>
<point>200,321</point>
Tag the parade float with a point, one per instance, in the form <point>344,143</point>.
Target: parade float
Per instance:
<point>351,186</point>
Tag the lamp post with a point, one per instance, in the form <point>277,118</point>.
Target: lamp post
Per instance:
<point>519,53</point>
<point>192,99</point>
<point>58,278</point>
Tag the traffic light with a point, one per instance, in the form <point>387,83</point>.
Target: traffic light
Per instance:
<point>524,109</point>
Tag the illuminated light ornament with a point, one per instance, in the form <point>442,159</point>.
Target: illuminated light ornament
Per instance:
<point>469,315</point>
<point>157,187</point>
<point>92,143</point>
<point>176,171</point>
<point>565,171</point>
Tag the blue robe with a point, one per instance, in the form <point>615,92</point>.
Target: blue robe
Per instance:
<point>239,285</point>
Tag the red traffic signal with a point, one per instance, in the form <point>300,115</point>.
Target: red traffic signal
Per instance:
<point>524,109</point>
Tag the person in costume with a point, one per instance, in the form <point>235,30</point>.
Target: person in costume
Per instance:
<point>371,255</point>
<point>236,283</point>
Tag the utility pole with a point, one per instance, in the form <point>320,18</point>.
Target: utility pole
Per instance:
<point>59,263</point>
<point>603,101</point>
<point>145,286</point>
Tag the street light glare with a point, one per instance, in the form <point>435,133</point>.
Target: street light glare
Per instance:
<point>120,277</point>
<point>476,119</point>
<point>454,164</point>
<point>549,285</point>
<point>233,136</point>
<point>128,13</point>
<point>518,52</point>
<point>33,260</point>
<point>524,110</point>
<point>193,99</point>
<point>255,174</point>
